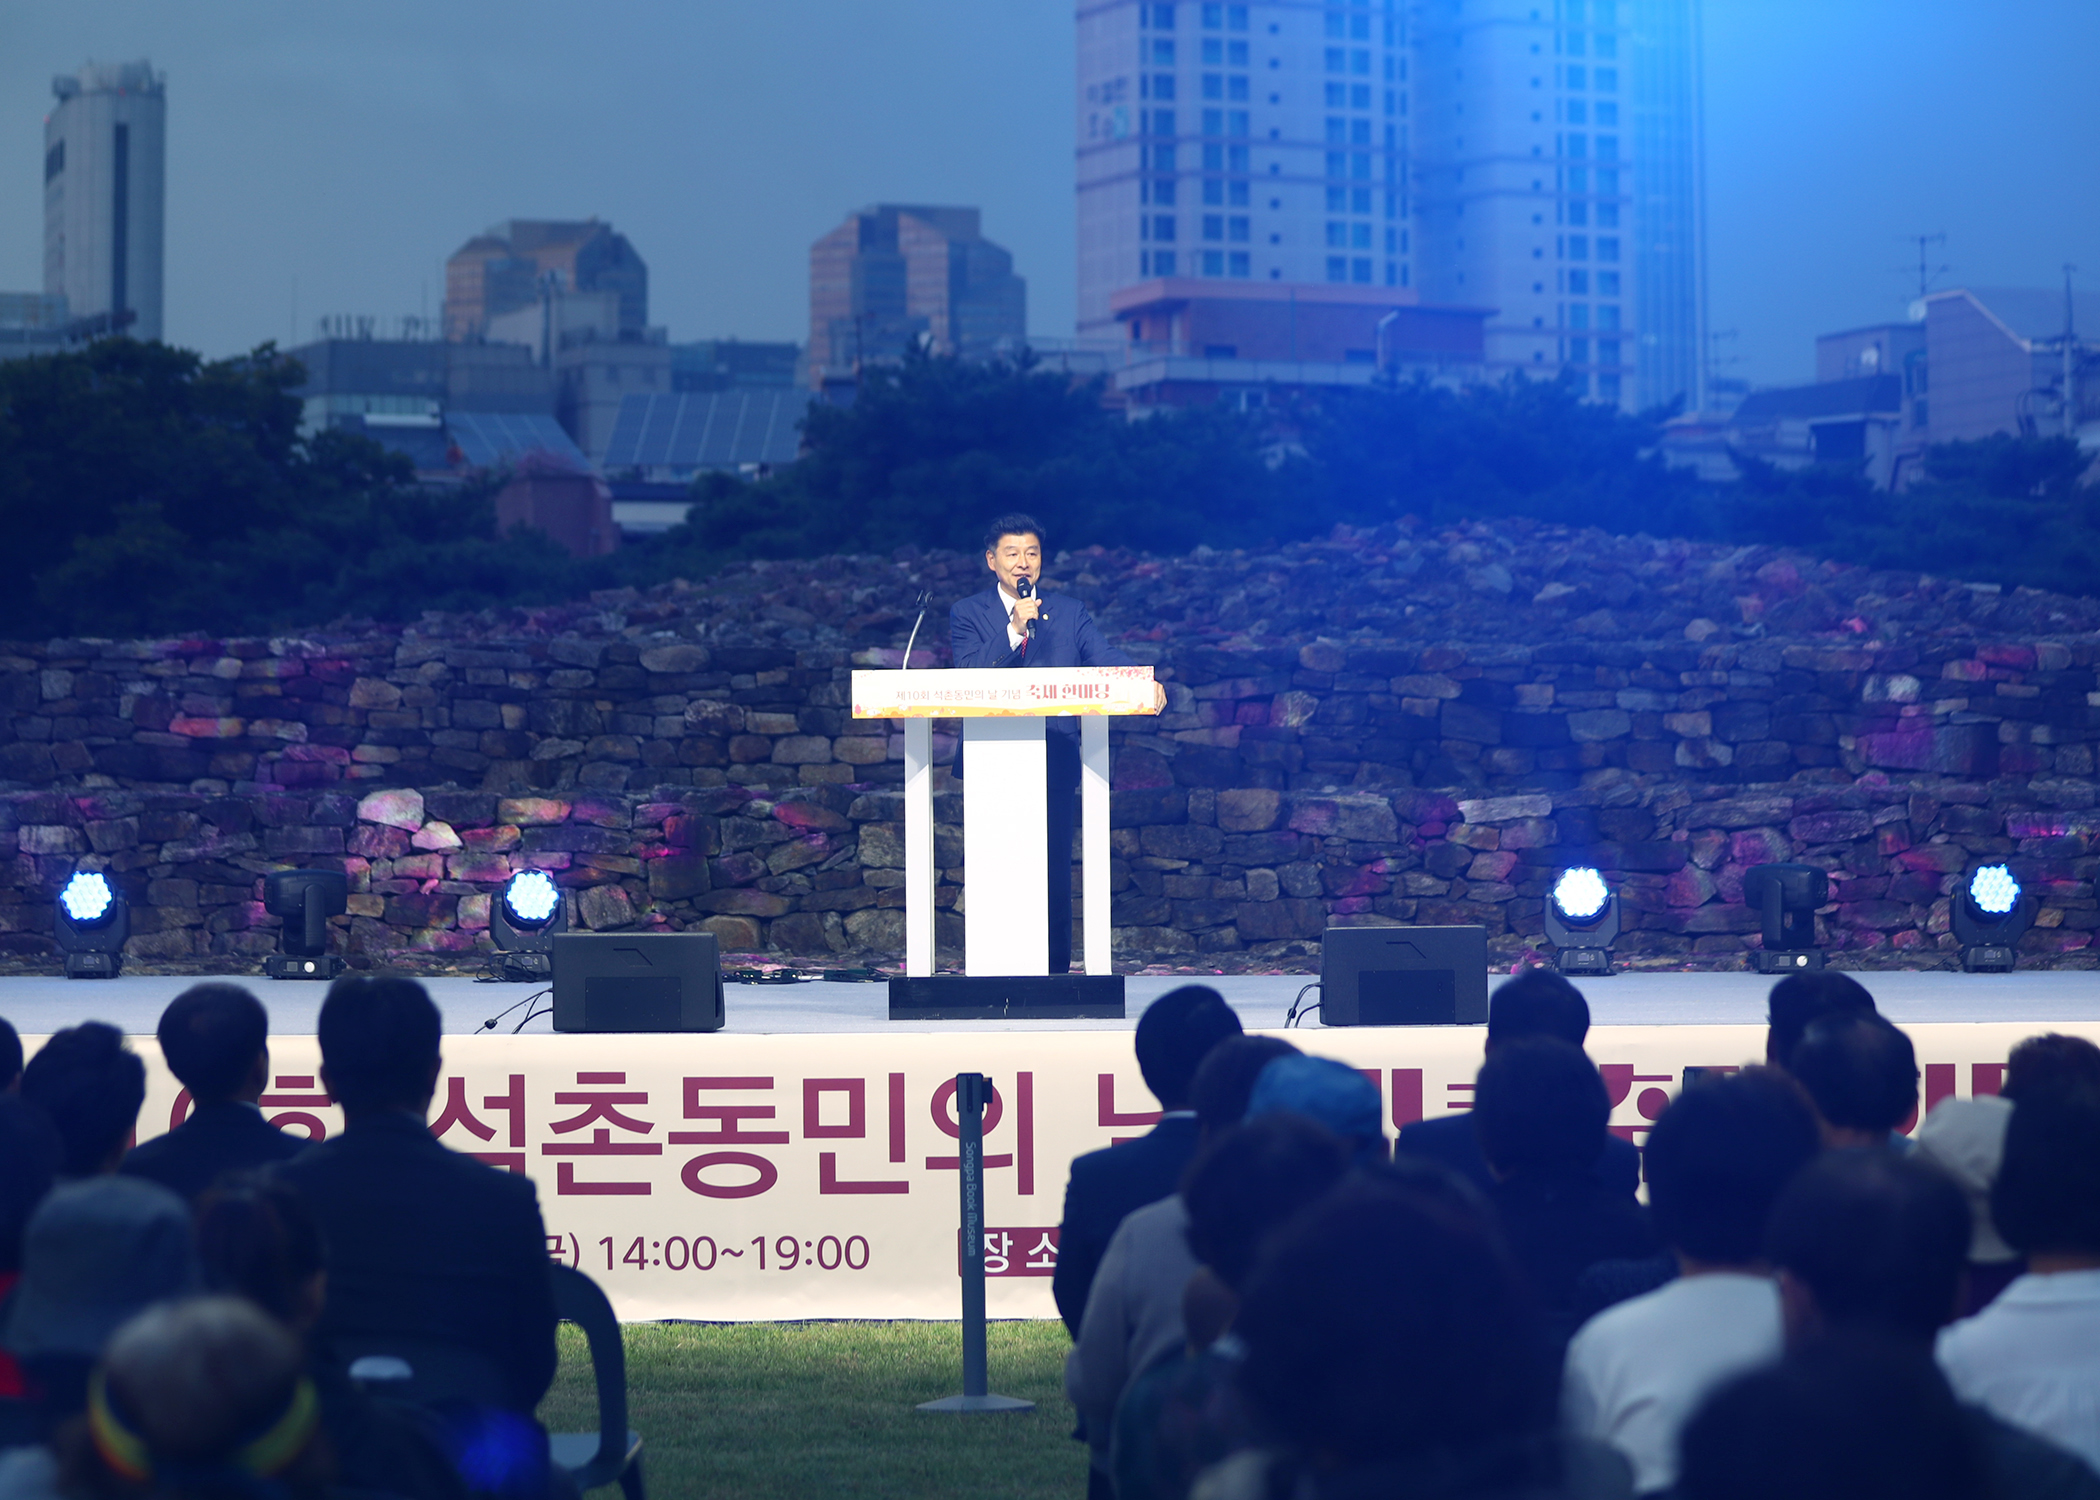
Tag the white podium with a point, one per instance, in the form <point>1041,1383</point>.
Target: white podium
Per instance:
<point>1004,818</point>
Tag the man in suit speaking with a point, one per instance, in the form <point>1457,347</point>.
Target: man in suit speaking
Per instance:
<point>1001,628</point>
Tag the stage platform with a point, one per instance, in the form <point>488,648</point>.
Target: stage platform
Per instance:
<point>41,1005</point>
<point>801,1163</point>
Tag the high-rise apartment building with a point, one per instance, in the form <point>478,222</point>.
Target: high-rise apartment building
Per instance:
<point>896,272</point>
<point>105,194</point>
<point>1539,158</point>
<point>519,261</point>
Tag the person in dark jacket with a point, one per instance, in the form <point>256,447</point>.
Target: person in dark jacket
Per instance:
<point>430,1253</point>
<point>215,1038</point>
<point>1173,1037</point>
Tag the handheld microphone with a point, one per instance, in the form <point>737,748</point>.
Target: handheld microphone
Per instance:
<point>1026,589</point>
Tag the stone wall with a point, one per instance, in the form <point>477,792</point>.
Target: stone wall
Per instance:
<point>1380,727</point>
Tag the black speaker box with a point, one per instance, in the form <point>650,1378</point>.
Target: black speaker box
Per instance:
<point>620,981</point>
<point>1404,976</point>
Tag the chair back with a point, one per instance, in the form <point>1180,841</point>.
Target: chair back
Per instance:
<point>578,1300</point>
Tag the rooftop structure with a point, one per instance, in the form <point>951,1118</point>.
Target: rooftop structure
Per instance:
<point>896,275</point>
<point>105,195</point>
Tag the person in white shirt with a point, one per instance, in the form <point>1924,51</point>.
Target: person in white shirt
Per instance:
<point>2032,1358</point>
<point>1716,1160</point>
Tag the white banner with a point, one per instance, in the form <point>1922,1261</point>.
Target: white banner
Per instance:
<point>733,1177</point>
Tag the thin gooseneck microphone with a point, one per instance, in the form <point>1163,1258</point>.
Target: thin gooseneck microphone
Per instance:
<point>925,598</point>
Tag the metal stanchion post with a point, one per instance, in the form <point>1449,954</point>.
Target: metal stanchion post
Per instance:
<point>972,1090</point>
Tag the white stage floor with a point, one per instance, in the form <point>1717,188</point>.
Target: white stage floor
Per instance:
<point>38,1005</point>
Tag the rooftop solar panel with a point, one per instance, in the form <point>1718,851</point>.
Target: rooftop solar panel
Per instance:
<point>711,430</point>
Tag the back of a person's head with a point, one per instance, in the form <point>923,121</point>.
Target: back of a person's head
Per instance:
<point>95,1252</point>
<point>1879,1240</point>
<point>2046,1200</point>
<point>10,1056</point>
<point>211,1035</point>
<point>2051,1061</point>
<point>1175,1034</point>
<point>1719,1156</point>
<point>1329,1093</point>
<point>1860,1071</point>
<point>1843,1419</point>
<point>257,1238</point>
<point>1537,1002</point>
<point>379,1041</point>
<point>91,1085</point>
<point>1540,1106</point>
<point>29,1154</point>
<point>1252,1180</point>
<point>1384,1322</point>
<point>208,1397</point>
<point>1800,998</point>
<point>1225,1081</point>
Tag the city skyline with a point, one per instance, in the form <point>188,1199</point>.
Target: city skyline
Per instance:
<point>360,161</point>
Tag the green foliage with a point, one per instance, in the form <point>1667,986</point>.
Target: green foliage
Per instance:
<point>145,490</point>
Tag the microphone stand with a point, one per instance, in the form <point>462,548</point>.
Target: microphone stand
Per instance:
<point>925,598</point>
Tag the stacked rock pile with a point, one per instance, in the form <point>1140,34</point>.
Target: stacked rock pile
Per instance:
<point>1382,726</point>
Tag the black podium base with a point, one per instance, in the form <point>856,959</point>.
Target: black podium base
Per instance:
<point>1021,997</point>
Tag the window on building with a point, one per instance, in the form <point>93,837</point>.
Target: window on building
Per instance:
<point>1214,122</point>
<point>1360,166</point>
<point>1578,179</point>
<point>1213,53</point>
<point>1607,80</point>
<point>1360,270</point>
<point>1579,283</point>
<point>1337,95</point>
<point>1360,236</point>
<point>1163,263</point>
<point>1337,59</point>
<point>1607,247</point>
<point>1214,226</point>
<point>1163,227</point>
<point>1608,315</point>
<point>1392,241</point>
<point>1579,315</point>
<point>1240,264</point>
<point>1360,63</point>
<point>1237,87</point>
<point>1213,158</point>
<point>1237,229</point>
<point>1213,17</point>
<point>1163,86</point>
<point>1578,113</point>
<point>1578,247</point>
<point>1578,146</point>
<point>1237,195</point>
<point>1607,351</point>
<point>1359,132</point>
<point>1607,181</point>
<point>1214,263</point>
<point>1337,236</point>
<point>1236,54</point>
<point>1575,44</point>
<point>1337,200</point>
<point>1607,283</point>
<point>1236,122</point>
<point>1213,192</point>
<point>1577,79</point>
<point>1390,98</point>
<point>1607,148</point>
<point>1611,388</point>
<point>1337,268</point>
<point>1162,122</point>
<point>1337,130</point>
<point>1240,159</point>
<point>1578,212</point>
<point>1359,200</point>
<point>1236,17</point>
<point>1607,112</point>
<point>1607,216</point>
<point>1162,158</point>
<point>1162,52</point>
<point>1158,190</point>
<point>1336,25</point>
<point>1213,85</point>
<point>1579,351</point>
<point>1337,164</point>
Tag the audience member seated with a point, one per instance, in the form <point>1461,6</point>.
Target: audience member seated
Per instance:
<point>1844,1420</point>
<point>10,1058</point>
<point>1717,1159</point>
<point>1965,1138</point>
<point>2050,1061</point>
<point>1133,1311</point>
<point>1330,1094</point>
<point>2033,1356</point>
<point>1174,1035</point>
<point>431,1254</point>
<point>1541,1112</point>
<point>28,1165</point>
<point>96,1251</point>
<point>215,1040</point>
<point>1798,999</point>
<point>1388,1352</point>
<point>1869,1244</point>
<point>91,1085</point>
<point>258,1239</point>
<point>1185,1414</point>
<point>200,1400</point>
<point>1861,1075</point>
<point>1538,1002</point>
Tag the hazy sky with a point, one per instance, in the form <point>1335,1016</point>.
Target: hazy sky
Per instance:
<point>326,158</point>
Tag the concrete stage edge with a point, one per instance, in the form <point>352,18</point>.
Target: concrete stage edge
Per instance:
<point>39,1005</point>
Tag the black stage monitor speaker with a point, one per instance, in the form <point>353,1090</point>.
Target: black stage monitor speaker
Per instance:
<point>1404,976</point>
<point>618,981</point>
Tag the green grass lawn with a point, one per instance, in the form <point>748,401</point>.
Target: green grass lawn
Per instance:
<point>824,1409</point>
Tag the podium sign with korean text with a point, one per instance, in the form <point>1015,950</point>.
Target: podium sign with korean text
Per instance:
<point>1000,692</point>
<point>756,1177</point>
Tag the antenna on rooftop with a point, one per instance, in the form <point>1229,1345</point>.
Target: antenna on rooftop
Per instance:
<point>1927,272</point>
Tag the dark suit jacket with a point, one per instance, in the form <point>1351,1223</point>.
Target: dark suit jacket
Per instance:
<point>216,1139</point>
<point>1068,638</point>
<point>1450,1142</point>
<point>1559,1225</point>
<point>1105,1186</point>
<point>427,1245</point>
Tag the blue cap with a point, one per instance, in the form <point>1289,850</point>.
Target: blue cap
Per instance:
<point>1327,1093</point>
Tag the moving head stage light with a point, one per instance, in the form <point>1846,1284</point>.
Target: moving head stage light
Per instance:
<point>524,922</point>
<point>306,899</point>
<point>1788,896</point>
<point>1990,913</point>
<point>1582,920</point>
<point>93,922</point>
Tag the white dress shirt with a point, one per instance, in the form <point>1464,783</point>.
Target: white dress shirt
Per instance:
<point>1013,637</point>
<point>2032,1358</point>
<point>1637,1371</point>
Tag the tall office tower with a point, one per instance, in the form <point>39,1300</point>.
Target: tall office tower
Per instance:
<point>519,260</point>
<point>1559,171</point>
<point>894,272</point>
<point>105,194</point>
<point>1262,143</point>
